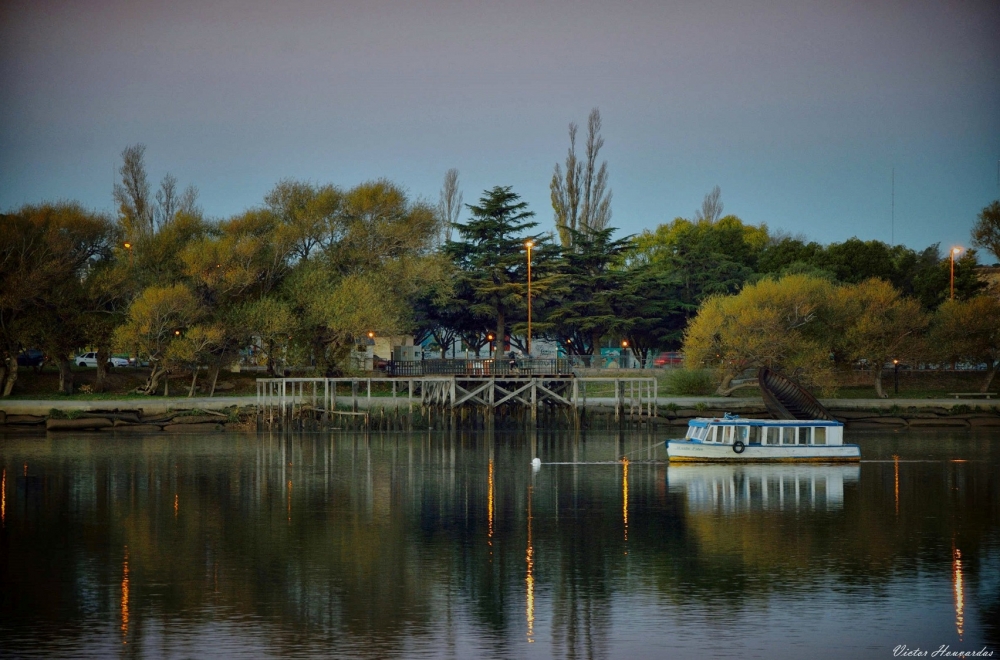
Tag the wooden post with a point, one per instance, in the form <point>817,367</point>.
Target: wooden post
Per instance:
<point>534,401</point>
<point>618,399</point>
<point>354,395</point>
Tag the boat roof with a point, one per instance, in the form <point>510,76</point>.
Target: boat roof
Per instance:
<point>734,420</point>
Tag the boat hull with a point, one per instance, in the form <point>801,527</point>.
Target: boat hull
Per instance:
<point>699,452</point>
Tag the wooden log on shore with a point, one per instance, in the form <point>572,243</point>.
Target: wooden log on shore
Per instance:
<point>80,424</point>
<point>24,420</point>
<point>992,420</point>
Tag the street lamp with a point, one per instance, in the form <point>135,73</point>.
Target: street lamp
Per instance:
<point>529,244</point>
<point>489,338</point>
<point>954,251</point>
<point>895,372</point>
<point>128,246</point>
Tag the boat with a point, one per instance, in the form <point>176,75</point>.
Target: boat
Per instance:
<point>735,439</point>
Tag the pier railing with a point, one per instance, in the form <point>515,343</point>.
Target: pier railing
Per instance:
<point>482,367</point>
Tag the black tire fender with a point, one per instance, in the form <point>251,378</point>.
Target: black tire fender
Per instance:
<point>739,447</point>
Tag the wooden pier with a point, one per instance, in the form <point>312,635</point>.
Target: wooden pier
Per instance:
<point>280,400</point>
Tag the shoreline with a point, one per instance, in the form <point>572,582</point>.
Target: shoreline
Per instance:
<point>134,414</point>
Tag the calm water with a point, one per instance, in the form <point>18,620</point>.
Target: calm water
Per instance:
<point>438,545</point>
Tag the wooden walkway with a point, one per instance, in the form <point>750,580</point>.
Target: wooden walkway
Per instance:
<point>283,399</point>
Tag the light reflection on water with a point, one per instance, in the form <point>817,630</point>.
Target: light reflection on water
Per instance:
<point>450,545</point>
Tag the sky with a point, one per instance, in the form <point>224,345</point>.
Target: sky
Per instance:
<point>878,119</point>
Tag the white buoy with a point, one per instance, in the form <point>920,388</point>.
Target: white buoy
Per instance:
<point>536,463</point>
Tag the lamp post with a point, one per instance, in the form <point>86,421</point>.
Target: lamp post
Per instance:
<point>895,372</point>
<point>954,251</point>
<point>529,244</point>
<point>128,246</point>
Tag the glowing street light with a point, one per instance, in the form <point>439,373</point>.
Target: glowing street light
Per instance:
<point>529,244</point>
<point>954,251</point>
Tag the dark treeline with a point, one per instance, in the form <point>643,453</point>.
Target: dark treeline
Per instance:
<point>310,271</point>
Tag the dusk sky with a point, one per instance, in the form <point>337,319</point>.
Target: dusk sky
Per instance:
<point>798,109</point>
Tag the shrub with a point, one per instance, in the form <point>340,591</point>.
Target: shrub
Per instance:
<point>690,382</point>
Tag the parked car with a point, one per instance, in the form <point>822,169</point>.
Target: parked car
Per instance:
<point>90,360</point>
<point>31,358</point>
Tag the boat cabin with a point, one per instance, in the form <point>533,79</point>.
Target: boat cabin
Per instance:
<point>732,429</point>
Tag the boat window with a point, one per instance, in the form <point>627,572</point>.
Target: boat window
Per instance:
<point>772,435</point>
<point>712,432</point>
<point>788,435</point>
<point>743,434</point>
<point>819,435</point>
<point>703,433</point>
<point>755,435</point>
<point>728,437</point>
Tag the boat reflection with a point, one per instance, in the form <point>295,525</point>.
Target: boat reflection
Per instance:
<point>747,487</point>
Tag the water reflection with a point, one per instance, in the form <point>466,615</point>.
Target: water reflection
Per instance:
<point>124,605</point>
<point>959,589</point>
<point>372,546</point>
<point>746,487</point>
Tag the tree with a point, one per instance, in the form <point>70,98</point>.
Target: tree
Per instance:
<point>986,231</point>
<point>593,279</point>
<point>876,324</point>
<point>140,215</point>
<point>969,330</point>
<point>580,197</point>
<point>335,312</point>
<point>308,216</point>
<point>651,306</point>
<point>491,257</point>
<point>156,320</point>
<point>703,258</point>
<point>449,204</point>
<point>711,207</point>
<point>46,254</point>
<point>773,323</point>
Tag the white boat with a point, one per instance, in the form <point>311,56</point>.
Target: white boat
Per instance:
<point>734,439</point>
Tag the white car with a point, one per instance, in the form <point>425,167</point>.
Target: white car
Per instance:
<point>90,360</point>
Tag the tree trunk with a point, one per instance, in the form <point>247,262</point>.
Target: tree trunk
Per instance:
<point>724,389</point>
<point>879,392</point>
<point>270,359</point>
<point>215,377</point>
<point>994,367</point>
<point>194,379</point>
<point>153,382</point>
<point>498,351</point>
<point>65,376</point>
<point>102,369</point>
<point>8,376</point>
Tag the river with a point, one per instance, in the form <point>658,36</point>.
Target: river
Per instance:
<point>450,545</point>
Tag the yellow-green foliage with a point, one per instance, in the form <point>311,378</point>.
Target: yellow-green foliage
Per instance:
<point>774,323</point>
<point>155,318</point>
<point>876,323</point>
